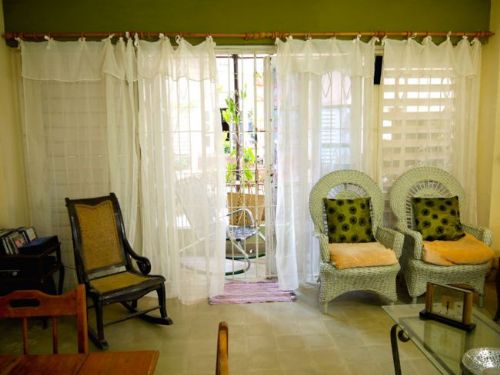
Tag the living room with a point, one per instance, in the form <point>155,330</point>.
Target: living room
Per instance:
<point>355,327</point>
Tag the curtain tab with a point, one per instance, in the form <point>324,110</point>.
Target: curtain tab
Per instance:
<point>19,42</point>
<point>411,35</point>
<point>109,37</point>
<point>178,39</point>
<point>383,40</point>
<point>50,41</point>
<point>427,40</point>
<point>136,39</point>
<point>448,36</point>
<point>127,35</point>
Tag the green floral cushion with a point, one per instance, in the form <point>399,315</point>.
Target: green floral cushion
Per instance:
<point>349,220</point>
<point>438,218</point>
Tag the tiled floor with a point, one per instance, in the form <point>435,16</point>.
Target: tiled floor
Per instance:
<point>269,338</point>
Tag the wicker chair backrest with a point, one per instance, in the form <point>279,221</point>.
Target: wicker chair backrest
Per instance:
<point>344,184</point>
<point>423,182</point>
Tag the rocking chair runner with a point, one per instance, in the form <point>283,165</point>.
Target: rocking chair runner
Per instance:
<point>103,263</point>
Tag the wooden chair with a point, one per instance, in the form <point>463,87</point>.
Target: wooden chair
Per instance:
<point>222,365</point>
<point>103,259</point>
<point>26,304</point>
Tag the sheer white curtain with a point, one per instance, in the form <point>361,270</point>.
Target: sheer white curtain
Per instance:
<point>430,110</point>
<point>79,125</point>
<point>182,167</point>
<point>325,122</point>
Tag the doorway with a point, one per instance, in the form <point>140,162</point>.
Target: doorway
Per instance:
<point>244,87</point>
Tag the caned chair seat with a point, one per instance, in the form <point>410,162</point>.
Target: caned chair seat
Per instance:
<point>123,280</point>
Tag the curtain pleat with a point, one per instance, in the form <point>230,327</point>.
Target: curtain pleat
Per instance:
<point>183,168</point>
<point>325,122</point>
<point>430,111</point>
<point>79,123</point>
<point>91,108</point>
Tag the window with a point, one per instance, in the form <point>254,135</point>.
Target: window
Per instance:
<point>335,122</point>
<point>417,120</point>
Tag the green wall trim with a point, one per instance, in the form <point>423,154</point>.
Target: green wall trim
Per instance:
<point>226,16</point>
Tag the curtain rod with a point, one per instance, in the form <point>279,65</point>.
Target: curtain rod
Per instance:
<point>246,36</point>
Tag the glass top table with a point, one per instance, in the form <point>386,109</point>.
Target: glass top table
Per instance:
<point>442,344</point>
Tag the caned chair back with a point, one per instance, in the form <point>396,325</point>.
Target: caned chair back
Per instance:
<point>24,304</point>
<point>97,229</point>
<point>422,182</point>
<point>222,365</point>
<point>345,184</point>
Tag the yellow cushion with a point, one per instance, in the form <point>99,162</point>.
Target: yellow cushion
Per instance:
<point>466,250</point>
<point>366,254</point>
<point>117,281</point>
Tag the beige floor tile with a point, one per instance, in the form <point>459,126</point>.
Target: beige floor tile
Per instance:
<point>267,338</point>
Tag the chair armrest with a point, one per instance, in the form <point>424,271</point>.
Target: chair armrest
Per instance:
<point>413,243</point>
<point>391,239</point>
<point>247,212</point>
<point>142,262</point>
<point>481,233</point>
<point>323,245</point>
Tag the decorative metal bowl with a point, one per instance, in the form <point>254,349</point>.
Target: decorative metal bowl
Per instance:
<point>481,361</point>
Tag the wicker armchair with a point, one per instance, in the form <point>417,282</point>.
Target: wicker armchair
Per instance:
<point>333,281</point>
<point>431,182</point>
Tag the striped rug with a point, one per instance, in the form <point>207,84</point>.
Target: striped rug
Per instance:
<point>252,292</point>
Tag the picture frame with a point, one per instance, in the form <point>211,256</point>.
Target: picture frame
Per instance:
<point>450,305</point>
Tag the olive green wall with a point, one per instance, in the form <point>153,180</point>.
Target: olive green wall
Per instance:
<point>216,16</point>
<point>13,196</point>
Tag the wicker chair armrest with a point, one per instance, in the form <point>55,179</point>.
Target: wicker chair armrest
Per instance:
<point>247,212</point>
<point>323,246</point>
<point>481,233</point>
<point>391,239</point>
<point>142,262</point>
<point>413,242</point>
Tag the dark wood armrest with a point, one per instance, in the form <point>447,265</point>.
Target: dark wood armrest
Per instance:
<point>142,262</point>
